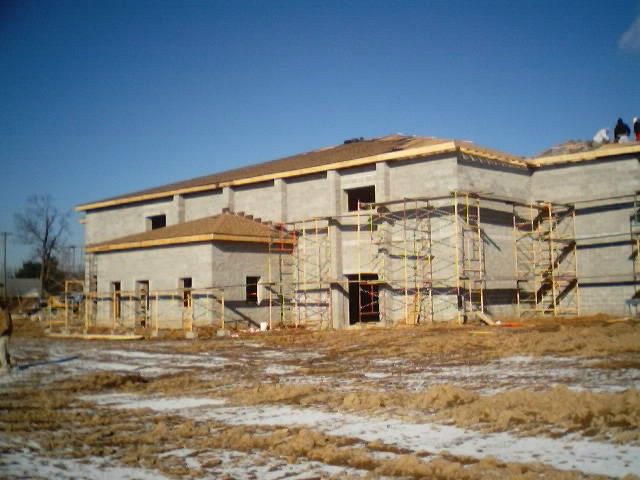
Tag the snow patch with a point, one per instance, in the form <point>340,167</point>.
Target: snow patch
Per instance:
<point>572,452</point>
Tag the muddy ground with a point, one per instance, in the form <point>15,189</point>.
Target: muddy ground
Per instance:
<point>547,399</point>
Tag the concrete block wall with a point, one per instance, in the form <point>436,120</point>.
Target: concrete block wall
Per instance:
<point>204,204</point>
<point>307,197</point>
<point>494,179</point>
<point>496,220</point>
<point>605,298</point>
<point>604,264</point>
<point>405,260</point>
<point>111,223</point>
<point>499,260</point>
<point>323,194</point>
<point>576,182</point>
<point>355,178</point>
<point>232,263</point>
<point>429,177</point>
<point>263,200</point>
<point>162,268</point>
<point>312,269</point>
<point>604,255</point>
<point>603,237</point>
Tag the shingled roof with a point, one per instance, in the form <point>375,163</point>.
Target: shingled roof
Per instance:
<point>222,227</point>
<point>574,151</point>
<point>348,154</point>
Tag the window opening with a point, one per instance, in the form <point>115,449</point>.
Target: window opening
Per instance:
<point>156,221</point>
<point>362,195</point>
<point>252,290</point>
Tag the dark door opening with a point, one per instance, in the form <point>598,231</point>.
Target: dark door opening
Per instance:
<point>364,305</point>
<point>251,290</point>
<point>116,305</point>
<point>187,297</point>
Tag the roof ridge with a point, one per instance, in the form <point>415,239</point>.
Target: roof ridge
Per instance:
<point>345,155</point>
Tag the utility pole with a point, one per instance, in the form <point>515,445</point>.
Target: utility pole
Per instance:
<point>73,259</point>
<point>4,261</point>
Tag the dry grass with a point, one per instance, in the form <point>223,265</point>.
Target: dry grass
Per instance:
<point>67,427</point>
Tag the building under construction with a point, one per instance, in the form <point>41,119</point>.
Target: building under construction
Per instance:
<point>392,230</point>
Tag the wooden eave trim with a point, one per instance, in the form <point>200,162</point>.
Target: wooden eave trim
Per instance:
<point>585,156</point>
<point>479,152</point>
<point>208,237</point>
<point>389,156</point>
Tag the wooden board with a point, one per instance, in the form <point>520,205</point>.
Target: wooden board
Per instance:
<point>95,336</point>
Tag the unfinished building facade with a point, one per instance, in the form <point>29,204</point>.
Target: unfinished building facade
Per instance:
<point>391,230</point>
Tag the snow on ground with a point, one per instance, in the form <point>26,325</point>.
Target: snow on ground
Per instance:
<point>159,404</point>
<point>567,453</point>
<point>502,374</point>
<point>30,463</point>
<point>508,373</point>
<point>217,463</point>
<point>280,369</point>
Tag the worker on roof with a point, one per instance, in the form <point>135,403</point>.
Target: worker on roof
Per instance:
<point>621,132</point>
<point>6,329</point>
<point>601,136</point>
<point>636,128</point>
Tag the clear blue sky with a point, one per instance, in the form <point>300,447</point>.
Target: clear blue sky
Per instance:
<point>99,98</point>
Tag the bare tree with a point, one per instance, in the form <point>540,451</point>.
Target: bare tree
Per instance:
<point>42,226</point>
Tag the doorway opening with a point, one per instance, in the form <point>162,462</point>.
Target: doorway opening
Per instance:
<point>116,301</point>
<point>364,298</point>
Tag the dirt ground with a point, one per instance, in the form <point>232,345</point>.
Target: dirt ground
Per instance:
<point>543,399</point>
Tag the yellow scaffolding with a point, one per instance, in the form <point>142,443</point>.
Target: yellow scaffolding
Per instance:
<point>312,271</point>
<point>472,257</point>
<point>70,312</point>
<point>418,260</point>
<point>634,228</point>
<point>281,276</point>
<point>190,308</point>
<point>546,260</point>
<point>430,256</point>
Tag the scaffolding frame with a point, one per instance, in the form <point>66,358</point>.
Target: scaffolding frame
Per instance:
<point>634,229</point>
<point>546,261</point>
<point>74,309</point>
<point>312,272</point>
<point>429,256</point>
<point>299,274</point>
<point>199,304</point>
<point>280,277</point>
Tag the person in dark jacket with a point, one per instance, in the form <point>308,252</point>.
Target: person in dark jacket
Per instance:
<point>6,329</point>
<point>636,128</point>
<point>621,132</point>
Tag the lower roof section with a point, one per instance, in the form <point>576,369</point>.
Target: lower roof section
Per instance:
<point>225,227</point>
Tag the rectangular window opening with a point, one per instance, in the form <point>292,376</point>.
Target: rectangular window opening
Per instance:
<point>360,195</point>
<point>252,290</point>
<point>156,221</point>
<point>187,296</point>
